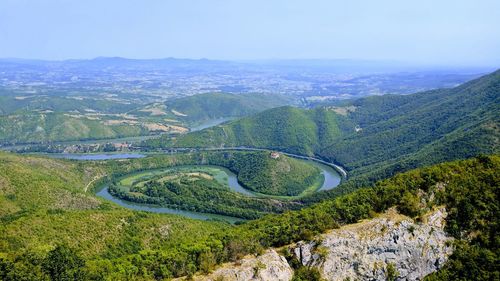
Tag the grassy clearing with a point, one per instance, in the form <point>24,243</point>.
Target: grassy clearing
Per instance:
<point>215,173</point>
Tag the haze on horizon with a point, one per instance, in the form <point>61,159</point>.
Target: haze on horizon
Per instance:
<point>422,32</point>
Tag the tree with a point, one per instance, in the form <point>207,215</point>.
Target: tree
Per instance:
<point>63,264</point>
<point>207,261</point>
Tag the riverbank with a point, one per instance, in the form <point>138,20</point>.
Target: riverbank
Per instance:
<point>330,179</point>
<point>338,168</point>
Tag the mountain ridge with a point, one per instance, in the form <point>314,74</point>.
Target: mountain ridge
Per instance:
<point>365,134</point>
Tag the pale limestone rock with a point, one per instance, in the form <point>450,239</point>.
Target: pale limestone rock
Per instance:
<point>364,250</point>
<point>360,251</point>
<point>269,266</point>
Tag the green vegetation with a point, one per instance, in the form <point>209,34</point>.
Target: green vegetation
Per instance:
<point>193,188</point>
<point>257,171</point>
<point>374,137</point>
<point>61,263</point>
<point>219,105</point>
<point>40,118</point>
<point>304,273</point>
<point>468,189</point>
<point>391,272</point>
<point>405,132</point>
<point>285,128</point>
<point>175,173</point>
<point>43,205</point>
<point>63,116</point>
<point>53,228</point>
<point>36,128</point>
<point>182,188</point>
<point>118,244</point>
<point>63,101</point>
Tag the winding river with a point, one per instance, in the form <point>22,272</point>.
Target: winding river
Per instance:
<point>104,193</point>
<point>330,175</point>
<point>92,156</point>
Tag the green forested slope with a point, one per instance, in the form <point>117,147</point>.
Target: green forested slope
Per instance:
<point>41,127</point>
<point>12,102</point>
<point>374,137</point>
<point>424,128</point>
<point>43,204</point>
<point>284,178</point>
<point>468,189</point>
<point>77,236</point>
<point>285,128</point>
<point>219,105</point>
<point>259,172</point>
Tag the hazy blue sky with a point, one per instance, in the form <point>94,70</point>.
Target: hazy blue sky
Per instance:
<point>426,31</point>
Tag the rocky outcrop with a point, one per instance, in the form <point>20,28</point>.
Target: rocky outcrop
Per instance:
<point>367,250</point>
<point>268,266</point>
<point>370,249</point>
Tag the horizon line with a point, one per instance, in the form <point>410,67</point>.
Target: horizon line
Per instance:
<point>395,62</point>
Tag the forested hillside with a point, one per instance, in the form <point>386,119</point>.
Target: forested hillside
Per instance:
<point>184,181</point>
<point>261,173</point>
<point>373,137</point>
<point>50,127</point>
<point>45,203</point>
<point>201,107</point>
<point>51,228</point>
<point>12,102</point>
<point>402,132</point>
<point>286,128</point>
<point>46,118</point>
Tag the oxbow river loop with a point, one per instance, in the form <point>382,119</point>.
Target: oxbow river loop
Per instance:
<point>331,179</point>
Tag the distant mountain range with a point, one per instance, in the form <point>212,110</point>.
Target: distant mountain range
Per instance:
<point>287,65</point>
<point>440,220</point>
<point>314,81</point>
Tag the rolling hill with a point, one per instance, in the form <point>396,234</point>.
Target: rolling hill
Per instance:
<point>61,101</point>
<point>286,128</point>
<point>403,132</point>
<point>373,137</point>
<point>202,107</point>
<point>51,127</point>
<point>52,226</point>
<point>41,118</point>
<point>257,171</point>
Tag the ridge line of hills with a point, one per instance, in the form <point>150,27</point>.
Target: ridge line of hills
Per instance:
<point>51,228</point>
<point>372,137</point>
<point>396,148</point>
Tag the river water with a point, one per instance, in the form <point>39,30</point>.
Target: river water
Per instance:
<point>331,180</point>
<point>210,123</point>
<point>97,156</point>
<point>104,193</point>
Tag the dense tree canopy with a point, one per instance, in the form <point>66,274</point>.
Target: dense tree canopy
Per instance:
<point>468,189</point>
